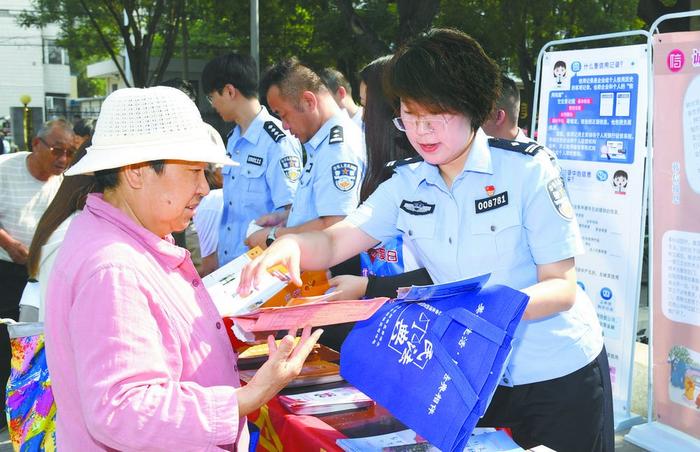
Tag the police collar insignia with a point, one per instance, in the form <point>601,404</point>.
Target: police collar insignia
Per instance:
<point>344,175</point>
<point>275,132</point>
<point>336,135</point>
<point>254,160</point>
<point>560,199</point>
<point>291,166</point>
<point>494,201</point>
<point>417,207</point>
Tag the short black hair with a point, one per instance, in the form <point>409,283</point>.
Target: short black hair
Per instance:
<point>445,70</point>
<point>84,127</point>
<point>334,79</point>
<point>233,68</point>
<point>109,178</point>
<point>183,85</point>
<point>292,78</point>
<point>509,100</point>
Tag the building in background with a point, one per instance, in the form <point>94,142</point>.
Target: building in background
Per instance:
<point>31,63</point>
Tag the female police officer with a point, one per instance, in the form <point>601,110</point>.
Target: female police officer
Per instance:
<point>475,206</point>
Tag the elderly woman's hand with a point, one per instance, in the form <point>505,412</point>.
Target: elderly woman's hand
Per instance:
<point>284,364</point>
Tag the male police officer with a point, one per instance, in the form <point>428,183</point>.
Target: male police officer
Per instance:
<point>270,160</point>
<point>330,184</point>
<point>342,93</point>
<point>503,122</point>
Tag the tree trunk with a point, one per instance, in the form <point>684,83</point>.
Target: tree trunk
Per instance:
<point>415,16</point>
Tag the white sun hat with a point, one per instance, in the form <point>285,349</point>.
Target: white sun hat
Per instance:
<point>144,124</point>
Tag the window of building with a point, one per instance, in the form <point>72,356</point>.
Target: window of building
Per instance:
<point>53,54</point>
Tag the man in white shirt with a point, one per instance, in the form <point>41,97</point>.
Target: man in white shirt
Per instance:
<point>28,183</point>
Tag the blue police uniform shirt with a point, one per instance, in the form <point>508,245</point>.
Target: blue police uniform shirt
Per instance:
<point>505,213</point>
<point>331,180</point>
<point>266,180</point>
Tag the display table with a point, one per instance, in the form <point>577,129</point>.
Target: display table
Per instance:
<point>282,430</point>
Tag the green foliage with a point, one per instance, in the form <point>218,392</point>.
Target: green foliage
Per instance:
<point>342,33</point>
<point>679,354</point>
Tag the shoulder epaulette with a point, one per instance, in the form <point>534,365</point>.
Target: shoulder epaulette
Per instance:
<point>275,132</point>
<point>530,149</point>
<point>396,163</point>
<point>336,135</point>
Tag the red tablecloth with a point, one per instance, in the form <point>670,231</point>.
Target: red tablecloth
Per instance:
<point>281,430</point>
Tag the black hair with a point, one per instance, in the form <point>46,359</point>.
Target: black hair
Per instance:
<point>334,79</point>
<point>183,85</point>
<point>559,64</point>
<point>509,100</point>
<point>384,142</point>
<point>292,78</point>
<point>109,178</point>
<point>620,173</point>
<point>445,70</point>
<point>84,128</point>
<point>232,68</point>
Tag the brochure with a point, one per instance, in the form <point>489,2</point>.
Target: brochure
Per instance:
<point>326,401</point>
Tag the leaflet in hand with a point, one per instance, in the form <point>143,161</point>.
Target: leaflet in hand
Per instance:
<point>222,285</point>
<point>317,313</point>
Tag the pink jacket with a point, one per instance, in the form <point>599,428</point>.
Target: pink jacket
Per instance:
<point>138,355</point>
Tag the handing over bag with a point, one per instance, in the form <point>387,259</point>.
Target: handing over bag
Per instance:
<point>434,356</point>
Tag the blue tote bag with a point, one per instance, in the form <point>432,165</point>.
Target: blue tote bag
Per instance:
<point>434,356</point>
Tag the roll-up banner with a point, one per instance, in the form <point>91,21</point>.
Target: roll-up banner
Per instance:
<point>593,115</point>
<point>675,239</point>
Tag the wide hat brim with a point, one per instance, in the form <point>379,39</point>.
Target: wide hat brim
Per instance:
<point>135,150</point>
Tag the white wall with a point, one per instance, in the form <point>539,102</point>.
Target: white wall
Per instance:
<point>22,70</point>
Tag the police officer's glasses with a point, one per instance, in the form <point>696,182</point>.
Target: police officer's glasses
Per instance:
<point>59,152</point>
<point>435,124</point>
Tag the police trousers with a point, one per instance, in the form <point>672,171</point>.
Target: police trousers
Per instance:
<point>569,414</point>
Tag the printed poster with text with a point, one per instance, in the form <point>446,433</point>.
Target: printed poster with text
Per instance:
<point>593,115</point>
<point>676,201</point>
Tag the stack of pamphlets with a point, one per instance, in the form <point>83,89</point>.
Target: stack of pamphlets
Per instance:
<point>326,401</point>
<point>314,372</point>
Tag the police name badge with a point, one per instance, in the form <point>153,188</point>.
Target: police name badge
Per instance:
<point>560,199</point>
<point>254,160</point>
<point>344,175</point>
<point>492,202</point>
<point>291,166</point>
<point>417,207</point>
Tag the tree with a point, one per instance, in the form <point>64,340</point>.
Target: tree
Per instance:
<point>513,32</point>
<point>133,25</point>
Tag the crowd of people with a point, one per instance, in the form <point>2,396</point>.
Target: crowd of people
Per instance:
<point>429,180</point>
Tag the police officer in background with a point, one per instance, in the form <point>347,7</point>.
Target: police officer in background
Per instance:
<point>330,184</point>
<point>475,206</point>
<point>270,160</point>
<point>342,93</point>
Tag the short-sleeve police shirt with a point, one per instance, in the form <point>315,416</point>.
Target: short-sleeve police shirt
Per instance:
<point>331,180</point>
<point>266,180</point>
<point>505,213</point>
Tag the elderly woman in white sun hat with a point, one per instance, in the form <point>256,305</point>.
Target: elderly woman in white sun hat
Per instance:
<point>138,355</point>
